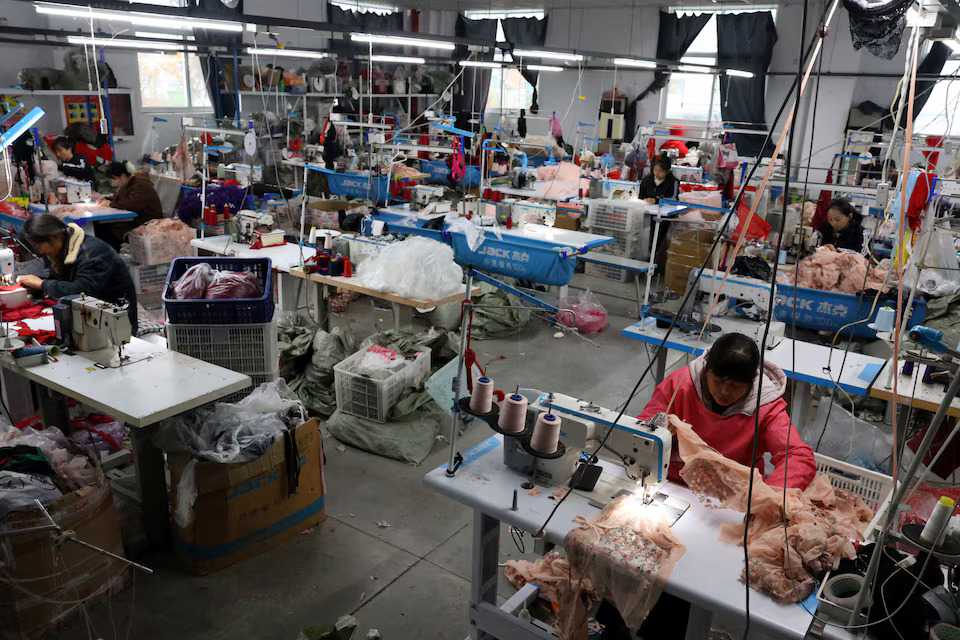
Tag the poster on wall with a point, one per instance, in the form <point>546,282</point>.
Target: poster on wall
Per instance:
<point>86,109</point>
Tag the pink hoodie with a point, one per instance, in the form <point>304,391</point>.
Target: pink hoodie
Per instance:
<point>731,433</point>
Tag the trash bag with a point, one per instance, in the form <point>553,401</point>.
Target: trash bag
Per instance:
<point>752,267</point>
<point>315,387</point>
<point>848,438</point>
<point>497,314</point>
<point>418,268</point>
<point>587,314</point>
<point>409,434</point>
<point>234,284</point>
<point>295,335</point>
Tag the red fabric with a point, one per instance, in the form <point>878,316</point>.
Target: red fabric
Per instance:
<point>42,336</point>
<point>950,459</point>
<point>678,145</point>
<point>28,310</point>
<point>759,228</point>
<point>651,149</point>
<point>732,436</point>
<point>918,200</point>
<point>932,156</point>
<point>823,203</point>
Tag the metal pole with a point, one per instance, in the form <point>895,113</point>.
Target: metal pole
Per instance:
<point>464,327</point>
<point>901,489</point>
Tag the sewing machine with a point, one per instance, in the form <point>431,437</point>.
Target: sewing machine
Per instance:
<point>741,289</point>
<point>6,264</point>
<point>423,195</point>
<point>639,450</point>
<point>72,191</point>
<point>85,323</point>
<point>544,213</point>
<point>253,225</point>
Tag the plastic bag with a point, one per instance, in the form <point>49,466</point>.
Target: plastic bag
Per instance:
<point>417,268</point>
<point>378,359</point>
<point>234,284</point>
<point>234,432</point>
<point>941,273</point>
<point>471,230</point>
<point>848,438</point>
<point>193,284</point>
<point>160,241</point>
<point>587,315</point>
<point>186,494</point>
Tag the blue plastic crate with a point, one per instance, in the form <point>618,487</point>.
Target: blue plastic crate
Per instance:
<point>829,311</point>
<point>225,310</point>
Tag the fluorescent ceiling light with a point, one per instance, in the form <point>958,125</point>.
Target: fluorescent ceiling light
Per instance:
<point>552,55</point>
<point>128,44</point>
<point>287,53</point>
<point>480,63</point>
<point>485,14</point>
<point>401,41</point>
<point>687,68</point>
<point>630,62</point>
<point>162,36</point>
<point>350,5</point>
<point>543,67</point>
<point>407,59</point>
<point>738,73</point>
<point>142,19</point>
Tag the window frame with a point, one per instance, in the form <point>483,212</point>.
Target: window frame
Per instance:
<point>191,107</point>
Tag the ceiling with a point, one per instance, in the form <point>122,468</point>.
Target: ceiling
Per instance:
<point>548,5</point>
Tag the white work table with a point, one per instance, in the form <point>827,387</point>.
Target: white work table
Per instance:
<point>912,391</point>
<point>157,384</point>
<point>707,576</point>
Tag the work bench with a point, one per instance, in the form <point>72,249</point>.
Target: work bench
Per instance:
<point>707,576</point>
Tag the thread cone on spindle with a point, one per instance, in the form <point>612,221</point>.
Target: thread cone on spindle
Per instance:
<point>546,434</point>
<point>482,399</point>
<point>513,414</point>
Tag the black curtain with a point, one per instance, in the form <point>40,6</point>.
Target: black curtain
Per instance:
<point>224,102</point>
<point>363,22</point>
<point>526,33</point>
<point>676,35</point>
<point>932,64</point>
<point>475,81</point>
<point>746,44</point>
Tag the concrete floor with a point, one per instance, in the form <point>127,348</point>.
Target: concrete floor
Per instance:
<point>410,580</point>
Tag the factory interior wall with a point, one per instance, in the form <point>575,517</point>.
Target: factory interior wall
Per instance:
<point>605,29</point>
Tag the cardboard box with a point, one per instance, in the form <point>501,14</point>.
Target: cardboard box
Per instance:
<point>67,574</point>
<point>246,508</point>
<point>688,246</point>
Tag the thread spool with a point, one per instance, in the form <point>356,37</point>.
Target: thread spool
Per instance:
<point>843,589</point>
<point>482,399</point>
<point>936,525</point>
<point>546,434</point>
<point>328,241</point>
<point>513,414</point>
<point>886,316</point>
<point>32,350</point>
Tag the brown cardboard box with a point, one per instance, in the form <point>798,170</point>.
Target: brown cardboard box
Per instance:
<point>689,245</point>
<point>67,574</point>
<point>245,508</point>
<point>565,221</point>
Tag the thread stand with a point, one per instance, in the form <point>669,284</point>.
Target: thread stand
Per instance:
<point>947,551</point>
<point>494,414</point>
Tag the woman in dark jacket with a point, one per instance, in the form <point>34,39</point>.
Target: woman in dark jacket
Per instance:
<point>78,263</point>
<point>134,193</point>
<point>842,231</point>
<point>661,183</point>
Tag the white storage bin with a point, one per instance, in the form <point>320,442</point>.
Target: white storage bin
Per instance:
<point>147,250</point>
<point>605,271</point>
<point>873,488</point>
<point>245,348</point>
<point>149,278</point>
<point>374,397</point>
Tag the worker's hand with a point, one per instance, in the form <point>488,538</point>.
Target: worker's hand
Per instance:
<point>103,202</point>
<point>30,282</point>
<point>829,247</point>
<point>651,201</point>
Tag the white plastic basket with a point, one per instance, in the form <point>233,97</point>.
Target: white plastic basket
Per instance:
<point>245,348</point>
<point>149,278</point>
<point>605,271</point>
<point>875,489</point>
<point>368,397</point>
<point>149,251</point>
<point>255,381</point>
<point>615,215</point>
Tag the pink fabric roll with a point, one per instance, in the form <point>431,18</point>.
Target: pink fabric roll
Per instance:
<point>482,399</point>
<point>546,434</point>
<point>513,414</point>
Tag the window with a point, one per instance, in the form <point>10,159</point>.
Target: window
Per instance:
<point>689,95</point>
<point>940,114</point>
<point>172,80</point>
<point>508,88</point>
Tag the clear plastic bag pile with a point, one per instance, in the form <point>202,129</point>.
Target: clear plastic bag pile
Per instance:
<point>417,268</point>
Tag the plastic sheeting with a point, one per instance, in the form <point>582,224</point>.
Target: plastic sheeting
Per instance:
<point>56,448</point>
<point>417,268</point>
<point>497,314</point>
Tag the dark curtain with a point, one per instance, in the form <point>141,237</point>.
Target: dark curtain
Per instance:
<point>526,33</point>
<point>363,22</point>
<point>931,64</point>
<point>475,82</point>
<point>224,102</point>
<point>675,37</point>
<point>745,41</point>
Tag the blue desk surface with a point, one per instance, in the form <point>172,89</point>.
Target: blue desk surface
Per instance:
<point>94,214</point>
<point>857,374</point>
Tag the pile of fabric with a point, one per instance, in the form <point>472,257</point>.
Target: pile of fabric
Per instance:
<point>159,241</point>
<point>841,272</point>
<point>401,171</point>
<point>41,464</point>
<point>821,522</point>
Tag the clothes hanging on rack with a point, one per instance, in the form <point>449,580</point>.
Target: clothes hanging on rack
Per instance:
<point>878,27</point>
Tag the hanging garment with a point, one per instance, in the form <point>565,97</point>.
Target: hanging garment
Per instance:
<point>878,26</point>
<point>918,200</point>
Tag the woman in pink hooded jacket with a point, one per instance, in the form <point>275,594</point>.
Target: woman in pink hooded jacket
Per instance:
<point>717,395</point>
